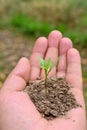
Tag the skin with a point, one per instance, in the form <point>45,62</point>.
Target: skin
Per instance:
<point>17,112</point>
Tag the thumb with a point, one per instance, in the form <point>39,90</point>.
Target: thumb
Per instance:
<point>18,78</point>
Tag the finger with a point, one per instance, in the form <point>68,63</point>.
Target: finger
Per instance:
<point>74,77</point>
<point>52,52</point>
<point>65,45</point>
<point>74,74</point>
<point>18,78</point>
<point>38,51</point>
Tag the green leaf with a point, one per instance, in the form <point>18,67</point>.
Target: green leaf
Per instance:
<point>54,63</point>
<point>42,62</point>
<point>48,62</point>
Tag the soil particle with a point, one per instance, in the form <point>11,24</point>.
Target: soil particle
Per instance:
<point>58,101</point>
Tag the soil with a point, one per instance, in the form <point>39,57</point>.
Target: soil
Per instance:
<point>56,102</point>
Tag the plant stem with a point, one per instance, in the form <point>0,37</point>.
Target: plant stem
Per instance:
<point>46,74</point>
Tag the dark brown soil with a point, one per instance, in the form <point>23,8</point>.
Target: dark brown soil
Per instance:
<point>57,102</point>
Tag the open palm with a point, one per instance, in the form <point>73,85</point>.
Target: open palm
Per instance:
<point>17,112</point>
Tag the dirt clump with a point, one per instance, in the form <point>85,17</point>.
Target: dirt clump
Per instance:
<point>57,102</point>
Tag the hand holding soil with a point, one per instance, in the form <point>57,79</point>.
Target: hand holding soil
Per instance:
<point>18,112</point>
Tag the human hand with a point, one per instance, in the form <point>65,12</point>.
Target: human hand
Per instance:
<point>17,112</point>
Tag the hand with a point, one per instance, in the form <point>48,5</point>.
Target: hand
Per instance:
<point>17,112</point>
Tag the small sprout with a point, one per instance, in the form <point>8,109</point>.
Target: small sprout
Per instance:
<point>47,66</point>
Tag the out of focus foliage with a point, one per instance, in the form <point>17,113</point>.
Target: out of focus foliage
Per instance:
<point>39,17</point>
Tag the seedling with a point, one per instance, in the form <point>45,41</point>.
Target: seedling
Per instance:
<point>47,66</point>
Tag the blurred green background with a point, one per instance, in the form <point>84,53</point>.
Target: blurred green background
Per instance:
<point>22,21</point>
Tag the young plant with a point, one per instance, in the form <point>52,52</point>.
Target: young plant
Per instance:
<point>47,66</point>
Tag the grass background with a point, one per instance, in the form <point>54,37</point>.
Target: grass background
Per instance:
<point>34,18</point>
<point>39,17</point>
